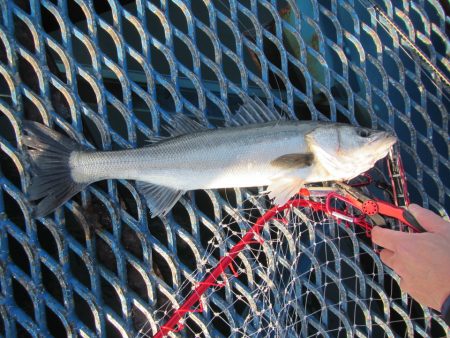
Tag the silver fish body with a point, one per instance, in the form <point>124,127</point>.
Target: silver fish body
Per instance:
<point>283,155</point>
<point>223,158</point>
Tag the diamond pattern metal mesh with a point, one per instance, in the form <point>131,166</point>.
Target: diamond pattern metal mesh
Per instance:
<point>109,73</point>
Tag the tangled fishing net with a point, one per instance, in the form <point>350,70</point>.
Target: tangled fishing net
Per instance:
<point>303,269</point>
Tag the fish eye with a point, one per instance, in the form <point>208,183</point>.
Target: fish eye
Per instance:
<point>363,132</point>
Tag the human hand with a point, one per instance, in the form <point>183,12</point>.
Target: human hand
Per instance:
<point>422,260</point>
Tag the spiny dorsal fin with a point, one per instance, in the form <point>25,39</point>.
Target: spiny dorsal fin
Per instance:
<point>254,111</point>
<point>160,199</point>
<point>293,161</point>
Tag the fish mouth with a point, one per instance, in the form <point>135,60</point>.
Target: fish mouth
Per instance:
<point>382,143</point>
<point>390,140</point>
<point>385,140</point>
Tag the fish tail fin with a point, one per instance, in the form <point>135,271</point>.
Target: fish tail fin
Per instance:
<point>52,181</point>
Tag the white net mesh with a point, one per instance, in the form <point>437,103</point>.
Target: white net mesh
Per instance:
<point>301,274</point>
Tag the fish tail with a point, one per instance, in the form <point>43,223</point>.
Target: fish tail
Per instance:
<point>51,181</point>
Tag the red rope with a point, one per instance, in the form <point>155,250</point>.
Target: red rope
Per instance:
<point>173,324</point>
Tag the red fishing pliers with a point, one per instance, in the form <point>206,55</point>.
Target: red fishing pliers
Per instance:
<point>374,209</point>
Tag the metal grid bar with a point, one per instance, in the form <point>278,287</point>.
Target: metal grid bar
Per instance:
<point>110,73</point>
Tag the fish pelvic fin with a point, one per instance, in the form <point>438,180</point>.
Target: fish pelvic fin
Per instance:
<point>51,181</point>
<point>160,199</point>
<point>283,188</point>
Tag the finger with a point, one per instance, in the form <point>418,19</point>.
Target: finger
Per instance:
<point>394,261</point>
<point>387,238</point>
<point>405,285</point>
<point>387,257</point>
<point>402,284</point>
<point>428,219</point>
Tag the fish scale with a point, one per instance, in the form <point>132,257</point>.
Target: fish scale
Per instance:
<point>230,151</point>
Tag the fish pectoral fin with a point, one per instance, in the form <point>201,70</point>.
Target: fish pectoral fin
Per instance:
<point>283,188</point>
<point>160,199</point>
<point>293,161</point>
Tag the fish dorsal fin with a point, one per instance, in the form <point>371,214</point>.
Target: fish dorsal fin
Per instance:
<point>293,161</point>
<point>182,124</point>
<point>254,111</point>
<point>155,139</point>
<point>160,199</point>
<point>283,188</point>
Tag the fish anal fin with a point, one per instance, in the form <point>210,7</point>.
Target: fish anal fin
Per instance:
<point>293,161</point>
<point>160,199</point>
<point>283,188</point>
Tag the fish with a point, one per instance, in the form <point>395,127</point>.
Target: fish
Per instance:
<point>259,148</point>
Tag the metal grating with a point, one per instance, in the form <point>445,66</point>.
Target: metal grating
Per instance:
<point>110,73</point>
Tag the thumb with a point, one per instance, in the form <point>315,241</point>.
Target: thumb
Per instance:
<point>428,219</point>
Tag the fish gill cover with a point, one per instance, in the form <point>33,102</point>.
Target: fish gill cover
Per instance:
<point>110,74</point>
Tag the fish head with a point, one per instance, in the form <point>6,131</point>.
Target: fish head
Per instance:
<point>346,151</point>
